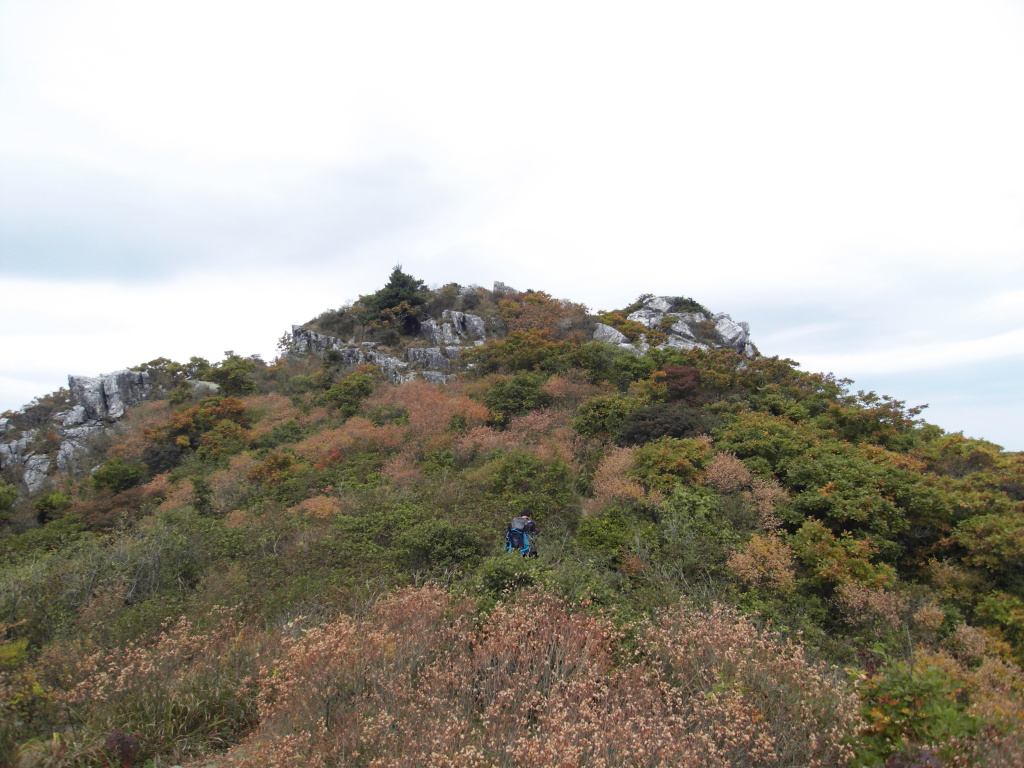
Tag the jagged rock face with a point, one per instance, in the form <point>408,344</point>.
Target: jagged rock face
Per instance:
<point>105,397</point>
<point>466,326</point>
<point>609,335</point>
<point>683,332</point>
<point>98,401</point>
<point>447,338</point>
<point>439,333</point>
<point>306,341</point>
<point>432,357</point>
<point>35,477</point>
<point>647,317</point>
<point>455,328</point>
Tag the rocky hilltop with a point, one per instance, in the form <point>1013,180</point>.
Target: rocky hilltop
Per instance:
<point>685,330</point>
<point>35,446</point>
<point>448,335</point>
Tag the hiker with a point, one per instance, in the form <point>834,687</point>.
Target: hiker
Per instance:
<point>520,535</point>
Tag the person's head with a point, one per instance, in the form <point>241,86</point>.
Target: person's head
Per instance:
<point>525,513</point>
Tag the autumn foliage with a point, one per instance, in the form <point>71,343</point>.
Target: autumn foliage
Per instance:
<point>741,564</point>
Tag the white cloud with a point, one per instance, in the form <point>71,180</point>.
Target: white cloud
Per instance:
<point>925,357</point>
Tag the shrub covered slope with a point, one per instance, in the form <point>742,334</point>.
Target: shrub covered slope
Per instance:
<point>741,565</point>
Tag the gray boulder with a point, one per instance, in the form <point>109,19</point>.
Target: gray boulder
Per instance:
<point>655,313</point>
<point>734,335</point>
<point>681,329</point>
<point>466,326</point>
<point>428,357</point>
<point>647,317</point>
<point>455,328</point>
<point>107,396</point>
<point>16,451</point>
<point>395,370</point>
<point>35,477</point>
<point>75,416</point>
<point>609,335</point>
<point>439,333</point>
<point>305,341</point>
<point>662,304</point>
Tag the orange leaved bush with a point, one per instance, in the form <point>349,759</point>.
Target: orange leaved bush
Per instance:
<point>418,682</point>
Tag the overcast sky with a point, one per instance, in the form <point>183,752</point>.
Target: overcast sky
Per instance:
<point>185,177</point>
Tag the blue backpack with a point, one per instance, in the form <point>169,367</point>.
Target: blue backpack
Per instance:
<point>518,540</point>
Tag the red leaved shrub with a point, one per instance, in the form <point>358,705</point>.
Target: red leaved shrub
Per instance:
<point>538,684</point>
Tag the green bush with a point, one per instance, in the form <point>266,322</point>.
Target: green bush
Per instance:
<point>8,496</point>
<point>602,417</point>
<point>509,398</point>
<point>664,463</point>
<point>348,393</point>
<point>50,505</point>
<point>694,538</point>
<point>613,532</point>
<point>498,576</point>
<point>664,420</point>
<point>436,544</point>
<point>523,481</point>
<point>906,704</point>
<point>234,374</point>
<point>287,432</point>
<point>118,476</point>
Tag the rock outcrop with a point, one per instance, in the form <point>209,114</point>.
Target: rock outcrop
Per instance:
<point>455,328</point>
<point>106,397</point>
<point>305,341</point>
<point>97,403</point>
<point>685,330</point>
<point>454,332</point>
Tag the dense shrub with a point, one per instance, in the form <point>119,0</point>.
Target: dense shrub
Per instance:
<point>50,505</point>
<point>118,476</point>
<point>8,496</point>
<point>602,417</point>
<point>514,396</point>
<point>437,544</point>
<point>413,683</point>
<point>187,692</point>
<point>664,420</point>
<point>523,481</point>
<point>348,393</point>
<point>234,374</point>
<point>661,465</point>
<point>912,705</point>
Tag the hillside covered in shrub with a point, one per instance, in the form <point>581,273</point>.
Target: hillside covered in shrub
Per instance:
<point>742,564</point>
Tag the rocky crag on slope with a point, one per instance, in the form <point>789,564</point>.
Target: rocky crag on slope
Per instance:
<point>447,337</point>
<point>454,331</point>
<point>97,403</point>
<point>684,330</point>
<point>35,447</point>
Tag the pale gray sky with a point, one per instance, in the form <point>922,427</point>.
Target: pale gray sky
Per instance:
<point>181,178</point>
